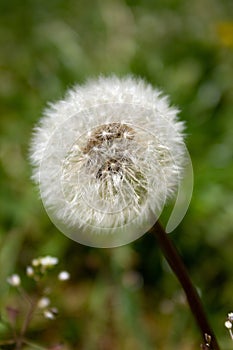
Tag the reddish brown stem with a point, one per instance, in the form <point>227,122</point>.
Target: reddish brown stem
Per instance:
<point>174,260</point>
<point>25,325</point>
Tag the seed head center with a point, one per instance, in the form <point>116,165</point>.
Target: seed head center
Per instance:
<point>108,133</point>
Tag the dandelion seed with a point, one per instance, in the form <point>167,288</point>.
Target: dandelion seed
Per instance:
<point>14,280</point>
<point>107,158</point>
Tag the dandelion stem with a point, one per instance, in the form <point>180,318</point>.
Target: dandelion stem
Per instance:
<point>174,260</point>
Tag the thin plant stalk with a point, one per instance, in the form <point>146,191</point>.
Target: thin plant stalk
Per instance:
<point>25,325</point>
<point>174,260</point>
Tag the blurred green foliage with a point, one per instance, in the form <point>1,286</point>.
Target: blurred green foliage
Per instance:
<point>123,298</point>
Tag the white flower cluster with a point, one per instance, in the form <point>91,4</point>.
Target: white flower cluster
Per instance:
<point>41,265</point>
<point>229,322</point>
<point>46,261</point>
<point>37,270</point>
<point>107,158</point>
<point>49,313</point>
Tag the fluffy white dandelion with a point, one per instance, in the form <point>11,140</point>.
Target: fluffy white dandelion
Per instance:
<point>107,158</point>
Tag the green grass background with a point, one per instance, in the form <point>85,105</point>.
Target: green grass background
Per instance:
<point>123,298</point>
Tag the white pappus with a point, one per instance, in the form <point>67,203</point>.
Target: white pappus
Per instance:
<point>107,158</point>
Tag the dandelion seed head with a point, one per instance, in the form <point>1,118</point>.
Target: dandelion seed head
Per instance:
<point>107,158</point>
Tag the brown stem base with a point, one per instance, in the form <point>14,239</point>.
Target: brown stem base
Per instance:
<point>174,260</point>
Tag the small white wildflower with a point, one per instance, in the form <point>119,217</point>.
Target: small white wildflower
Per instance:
<point>30,271</point>
<point>230,316</point>
<point>43,302</point>
<point>51,313</point>
<point>48,314</point>
<point>36,262</point>
<point>107,158</point>
<point>48,261</point>
<point>14,280</point>
<point>228,324</point>
<point>63,276</point>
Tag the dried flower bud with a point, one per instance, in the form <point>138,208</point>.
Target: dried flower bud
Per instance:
<point>107,158</point>
<point>12,314</point>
